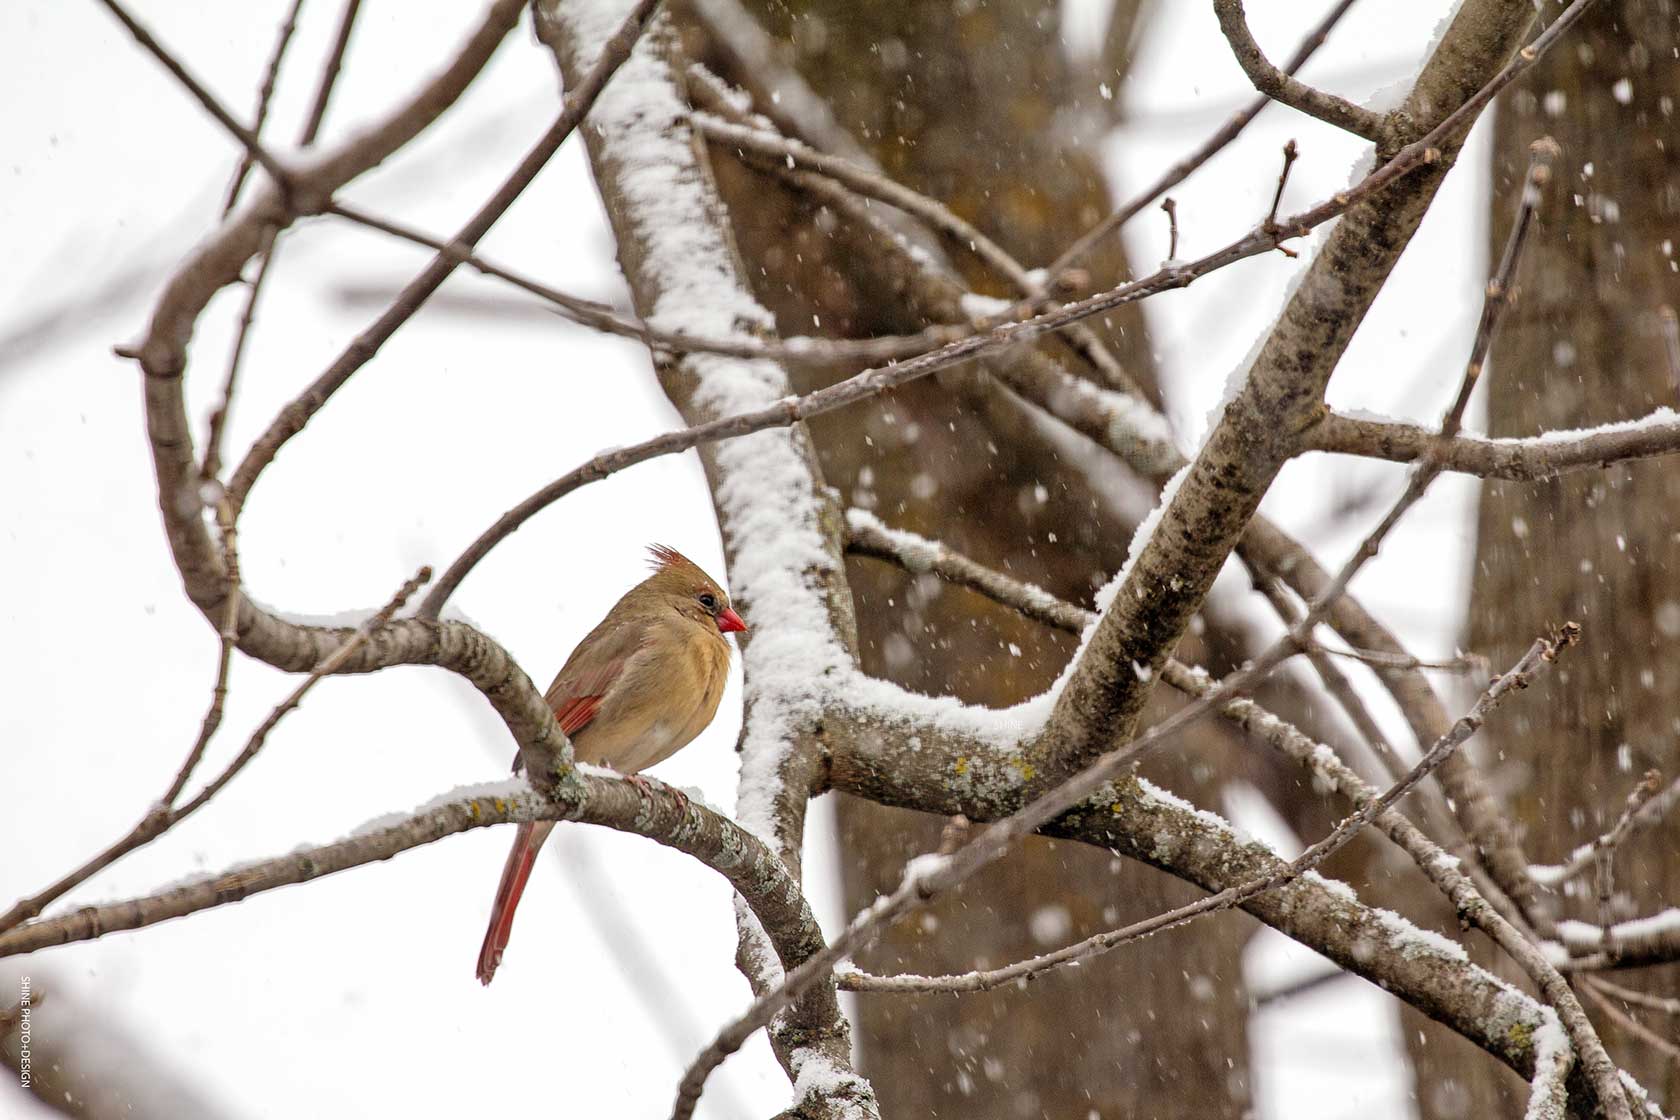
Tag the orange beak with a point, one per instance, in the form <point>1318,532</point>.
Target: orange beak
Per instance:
<point>728,621</point>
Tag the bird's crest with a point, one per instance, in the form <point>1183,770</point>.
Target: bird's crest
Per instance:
<point>664,558</point>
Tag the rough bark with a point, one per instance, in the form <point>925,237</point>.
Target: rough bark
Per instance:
<point>1583,345</point>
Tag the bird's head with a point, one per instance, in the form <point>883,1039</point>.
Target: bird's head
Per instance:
<point>691,592</point>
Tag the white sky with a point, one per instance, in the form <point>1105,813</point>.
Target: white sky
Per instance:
<point>358,989</point>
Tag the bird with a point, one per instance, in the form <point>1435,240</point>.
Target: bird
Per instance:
<point>637,689</point>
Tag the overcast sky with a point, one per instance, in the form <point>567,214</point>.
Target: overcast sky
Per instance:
<point>354,995</point>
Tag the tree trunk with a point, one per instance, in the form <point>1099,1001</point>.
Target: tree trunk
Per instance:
<point>1583,345</point>
<point>969,104</point>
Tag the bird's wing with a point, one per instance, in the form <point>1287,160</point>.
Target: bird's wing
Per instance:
<point>592,669</point>
<point>594,666</point>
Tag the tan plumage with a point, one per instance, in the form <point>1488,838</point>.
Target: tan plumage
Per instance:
<point>637,689</point>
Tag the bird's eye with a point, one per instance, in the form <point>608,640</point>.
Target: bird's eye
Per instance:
<point>708,600</point>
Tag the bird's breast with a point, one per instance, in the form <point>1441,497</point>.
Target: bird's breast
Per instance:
<point>667,695</point>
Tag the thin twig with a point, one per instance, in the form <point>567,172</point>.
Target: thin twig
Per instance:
<point>784,155</point>
<point>602,317</point>
<point>329,75</point>
<point>202,95</point>
<point>326,668</point>
<point>1304,986</point>
<point>1211,147</point>
<point>265,96</point>
<point>1647,803</point>
<point>1628,1023</point>
<point>212,468</point>
<point>1389,763</point>
<point>1463,663</point>
<point>1497,297</point>
<point>294,416</point>
<point>1289,155</point>
<point>157,818</point>
<point>227,636</point>
<point>1171,208</point>
<point>1667,1005</point>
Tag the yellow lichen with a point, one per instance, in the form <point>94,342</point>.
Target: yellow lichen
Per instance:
<point>962,764</point>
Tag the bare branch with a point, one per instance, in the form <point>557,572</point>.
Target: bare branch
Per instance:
<point>211,470</point>
<point>1645,807</point>
<point>1463,663</point>
<point>264,96</point>
<point>165,814</point>
<point>603,318</point>
<point>1668,1005</point>
<point>1279,86</point>
<point>200,94</point>
<point>1211,147</point>
<point>787,157</point>
<point>329,74</point>
<point>646,808</point>
<point>1543,155</point>
<point>218,262</point>
<point>578,101</point>
<point>867,536</point>
<point>1649,1037</point>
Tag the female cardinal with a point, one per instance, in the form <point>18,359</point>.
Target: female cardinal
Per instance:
<point>635,691</point>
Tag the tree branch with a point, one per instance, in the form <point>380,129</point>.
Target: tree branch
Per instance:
<point>1230,897</point>
<point>265,95</point>
<point>991,785</point>
<point>1419,154</point>
<point>1284,87</point>
<point>579,99</point>
<point>166,814</point>
<point>329,74</point>
<point>1211,147</point>
<point>253,146</point>
<point>1259,430</point>
<point>1532,459</point>
<point>645,807</point>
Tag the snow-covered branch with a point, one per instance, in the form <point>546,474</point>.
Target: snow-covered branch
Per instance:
<point>1531,458</point>
<point>644,807</point>
<point>780,525</point>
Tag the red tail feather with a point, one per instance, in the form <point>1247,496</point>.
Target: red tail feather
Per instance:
<point>526,845</point>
